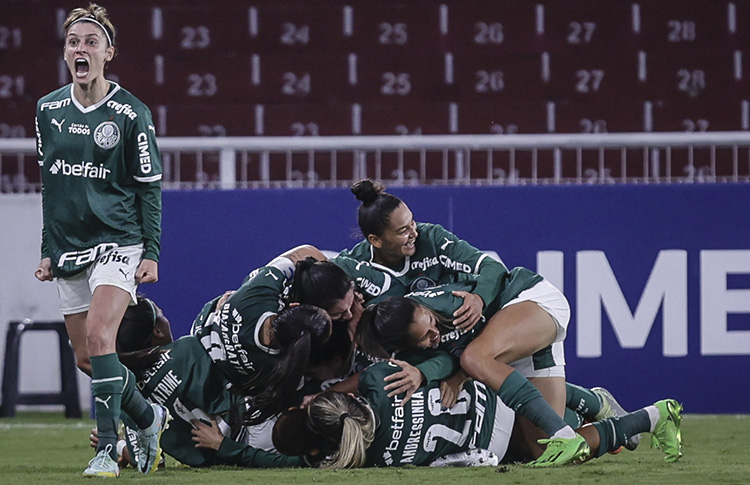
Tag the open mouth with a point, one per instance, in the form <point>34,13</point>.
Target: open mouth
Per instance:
<point>82,67</point>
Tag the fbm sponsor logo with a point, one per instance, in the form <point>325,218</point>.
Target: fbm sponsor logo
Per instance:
<point>55,104</point>
<point>82,169</point>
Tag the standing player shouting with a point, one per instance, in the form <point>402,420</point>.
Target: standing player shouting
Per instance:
<point>101,199</point>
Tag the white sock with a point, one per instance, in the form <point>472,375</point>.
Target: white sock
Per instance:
<point>566,432</point>
<point>653,415</point>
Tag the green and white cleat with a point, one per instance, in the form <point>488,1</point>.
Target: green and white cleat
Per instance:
<point>612,409</point>
<point>148,440</point>
<point>102,465</point>
<point>667,436</point>
<point>562,451</point>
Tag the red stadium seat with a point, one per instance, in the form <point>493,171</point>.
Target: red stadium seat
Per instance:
<point>278,27</point>
<point>501,117</point>
<point>494,78</point>
<point>483,28</point>
<point>302,119</point>
<point>618,116</point>
<point>688,75</point>
<point>182,119</point>
<point>694,115</point>
<point>405,118</point>
<point>577,29</point>
<point>179,29</point>
<point>675,25</point>
<point>285,78</point>
<point>384,29</point>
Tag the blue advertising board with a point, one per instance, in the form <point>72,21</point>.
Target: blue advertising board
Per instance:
<point>658,276</point>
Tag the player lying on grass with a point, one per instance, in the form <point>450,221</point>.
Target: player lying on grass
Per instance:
<point>372,429</point>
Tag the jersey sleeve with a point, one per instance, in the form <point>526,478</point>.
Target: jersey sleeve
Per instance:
<point>371,282</point>
<point>259,294</point>
<point>239,454</point>
<point>467,259</point>
<point>40,158</point>
<point>147,171</point>
<point>435,365</point>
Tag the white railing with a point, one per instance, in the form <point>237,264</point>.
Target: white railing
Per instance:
<point>289,162</point>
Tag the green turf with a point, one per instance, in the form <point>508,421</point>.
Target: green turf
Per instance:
<point>46,448</point>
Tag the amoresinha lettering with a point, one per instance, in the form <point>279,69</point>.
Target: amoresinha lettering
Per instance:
<point>413,436</point>
<point>444,260</point>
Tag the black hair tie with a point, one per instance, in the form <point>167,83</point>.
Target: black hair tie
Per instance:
<point>343,417</point>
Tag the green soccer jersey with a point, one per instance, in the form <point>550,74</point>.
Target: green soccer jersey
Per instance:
<point>101,174</point>
<point>232,337</point>
<point>422,430</point>
<point>441,300</point>
<point>440,258</point>
<point>186,381</point>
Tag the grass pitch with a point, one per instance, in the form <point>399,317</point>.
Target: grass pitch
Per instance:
<point>46,448</point>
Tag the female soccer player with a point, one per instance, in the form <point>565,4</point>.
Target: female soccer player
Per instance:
<point>399,255</point>
<point>101,171</point>
<point>144,325</point>
<point>373,429</point>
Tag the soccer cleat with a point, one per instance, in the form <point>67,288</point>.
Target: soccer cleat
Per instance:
<point>667,436</point>
<point>148,447</point>
<point>562,451</point>
<point>612,409</point>
<point>102,465</point>
<point>471,457</point>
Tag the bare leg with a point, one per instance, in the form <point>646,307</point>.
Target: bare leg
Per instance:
<point>515,332</point>
<point>76,327</point>
<point>108,306</point>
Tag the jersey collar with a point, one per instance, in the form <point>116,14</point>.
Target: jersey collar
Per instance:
<point>88,109</point>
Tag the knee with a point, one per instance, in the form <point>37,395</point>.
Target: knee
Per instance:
<point>471,363</point>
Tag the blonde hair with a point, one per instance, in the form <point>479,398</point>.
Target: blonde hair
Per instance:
<point>95,14</point>
<point>346,420</point>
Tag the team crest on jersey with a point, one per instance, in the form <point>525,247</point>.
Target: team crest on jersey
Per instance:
<point>107,135</point>
<point>421,283</point>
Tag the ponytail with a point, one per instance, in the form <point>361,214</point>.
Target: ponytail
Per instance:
<point>375,211</point>
<point>297,331</point>
<point>343,419</point>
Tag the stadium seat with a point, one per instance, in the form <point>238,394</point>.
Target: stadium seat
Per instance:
<point>617,116</point>
<point>695,115</point>
<point>208,119</point>
<point>686,75</point>
<point>494,78</point>
<point>68,396</point>
<point>477,27</point>
<point>288,28</point>
<point>199,28</point>
<point>675,25</point>
<point>405,118</point>
<point>284,78</point>
<point>575,30</point>
<point>386,29</point>
<point>502,116</point>
<point>302,119</point>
